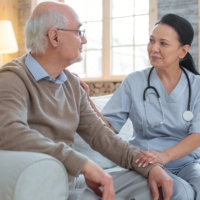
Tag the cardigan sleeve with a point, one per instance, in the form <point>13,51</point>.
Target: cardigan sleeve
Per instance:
<point>102,139</point>
<point>15,132</point>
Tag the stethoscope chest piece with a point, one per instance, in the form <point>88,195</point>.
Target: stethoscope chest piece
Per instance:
<point>188,115</point>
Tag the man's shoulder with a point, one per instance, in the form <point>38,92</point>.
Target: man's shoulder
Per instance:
<point>14,71</point>
<point>15,66</point>
<point>72,79</point>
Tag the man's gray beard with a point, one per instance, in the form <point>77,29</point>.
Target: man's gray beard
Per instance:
<point>78,59</point>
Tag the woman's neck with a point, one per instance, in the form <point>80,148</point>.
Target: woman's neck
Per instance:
<point>169,77</point>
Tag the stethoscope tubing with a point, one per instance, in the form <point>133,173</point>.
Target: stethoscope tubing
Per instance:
<point>158,96</point>
<point>189,88</point>
<point>151,87</point>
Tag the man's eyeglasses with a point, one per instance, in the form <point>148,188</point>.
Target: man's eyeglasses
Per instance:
<point>81,33</point>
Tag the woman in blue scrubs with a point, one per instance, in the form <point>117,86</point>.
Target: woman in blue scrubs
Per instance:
<point>165,116</point>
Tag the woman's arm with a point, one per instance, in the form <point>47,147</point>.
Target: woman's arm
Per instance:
<point>183,148</point>
<point>87,90</point>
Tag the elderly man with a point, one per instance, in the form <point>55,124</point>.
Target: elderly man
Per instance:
<point>43,105</point>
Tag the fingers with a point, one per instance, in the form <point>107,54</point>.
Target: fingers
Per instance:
<point>154,190</point>
<point>167,189</point>
<point>146,158</point>
<point>85,87</point>
<point>94,186</point>
<point>95,178</point>
<point>76,75</point>
<point>159,178</point>
<point>108,190</point>
<point>83,84</point>
<point>98,192</point>
<point>149,161</point>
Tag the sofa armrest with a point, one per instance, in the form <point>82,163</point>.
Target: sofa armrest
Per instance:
<point>28,175</point>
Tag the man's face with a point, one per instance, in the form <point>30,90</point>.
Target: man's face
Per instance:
<point>71,43</point>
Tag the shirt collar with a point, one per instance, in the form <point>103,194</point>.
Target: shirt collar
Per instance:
<point>39,73</point>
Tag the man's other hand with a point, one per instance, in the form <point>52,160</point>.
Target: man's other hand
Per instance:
<point>99,181</point>
<point>159,178</point>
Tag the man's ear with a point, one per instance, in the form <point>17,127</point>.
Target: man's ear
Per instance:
<point>53,37</point>
<point>184,51</point>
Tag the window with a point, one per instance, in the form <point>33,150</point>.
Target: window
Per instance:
<point>117,32</point>
<point>90,14</point>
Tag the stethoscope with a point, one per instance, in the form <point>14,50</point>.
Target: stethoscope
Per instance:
<point>187,115</point>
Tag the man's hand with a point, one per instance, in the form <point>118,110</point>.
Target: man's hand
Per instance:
<point>159,178</point>
<point>96,178</point>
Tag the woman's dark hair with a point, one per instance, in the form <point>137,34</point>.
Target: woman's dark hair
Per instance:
<point>185,33</point>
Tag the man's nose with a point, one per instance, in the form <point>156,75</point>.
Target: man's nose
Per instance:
<point>83,40</point>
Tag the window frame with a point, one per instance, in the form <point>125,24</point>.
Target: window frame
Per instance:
<point>106,56</point>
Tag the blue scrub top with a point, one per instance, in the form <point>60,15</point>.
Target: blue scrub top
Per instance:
<point>127,102</point>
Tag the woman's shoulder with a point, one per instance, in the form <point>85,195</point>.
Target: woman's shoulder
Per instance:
<point>195,78</point>
<point>138,75</point>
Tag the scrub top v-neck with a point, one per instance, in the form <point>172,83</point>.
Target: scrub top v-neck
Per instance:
<point>127,102</point>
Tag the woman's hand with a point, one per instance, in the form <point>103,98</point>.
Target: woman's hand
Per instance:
<point>84,85</point>
<point>149,157</point>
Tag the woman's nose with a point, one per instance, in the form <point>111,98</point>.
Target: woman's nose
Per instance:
<point>155,47</point>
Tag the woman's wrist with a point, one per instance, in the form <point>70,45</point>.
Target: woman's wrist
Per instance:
<point>167,156</point>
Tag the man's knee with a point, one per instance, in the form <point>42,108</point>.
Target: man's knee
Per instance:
<point>80,194</point>
<point>131,185</point>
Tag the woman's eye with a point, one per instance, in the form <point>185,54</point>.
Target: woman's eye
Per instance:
<point>163,43</point>
<point>150,40</point>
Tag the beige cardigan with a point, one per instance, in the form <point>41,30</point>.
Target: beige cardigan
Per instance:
<point>43,117</point>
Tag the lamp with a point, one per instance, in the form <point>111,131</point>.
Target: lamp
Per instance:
<point>8,42</point>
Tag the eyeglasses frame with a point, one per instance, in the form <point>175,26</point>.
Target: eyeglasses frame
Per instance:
<point>80,32</point>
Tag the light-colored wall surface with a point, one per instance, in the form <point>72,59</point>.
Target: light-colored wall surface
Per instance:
<point>18,11</point>
<point>187,9</point>
<point>24,10</point>
<point>9,11</point>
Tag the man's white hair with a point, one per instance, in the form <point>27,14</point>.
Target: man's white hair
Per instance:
<point>36,29</point>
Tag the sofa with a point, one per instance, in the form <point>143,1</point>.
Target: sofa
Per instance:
<point>37,176</point>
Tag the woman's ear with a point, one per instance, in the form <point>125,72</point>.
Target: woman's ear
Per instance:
<point>53,37</point>
<point>184,51</point>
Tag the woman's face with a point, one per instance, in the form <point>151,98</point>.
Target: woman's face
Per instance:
<point>164,48</point>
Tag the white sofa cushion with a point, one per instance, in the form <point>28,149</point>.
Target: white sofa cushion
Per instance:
<point>81,146</point>
<point>31,176</point>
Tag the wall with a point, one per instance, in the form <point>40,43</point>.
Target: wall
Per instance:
<point>9,11</point>
<point>24,10</point>
<point>102,88</point>
<point>18,11</point>
<point>187,9</point>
